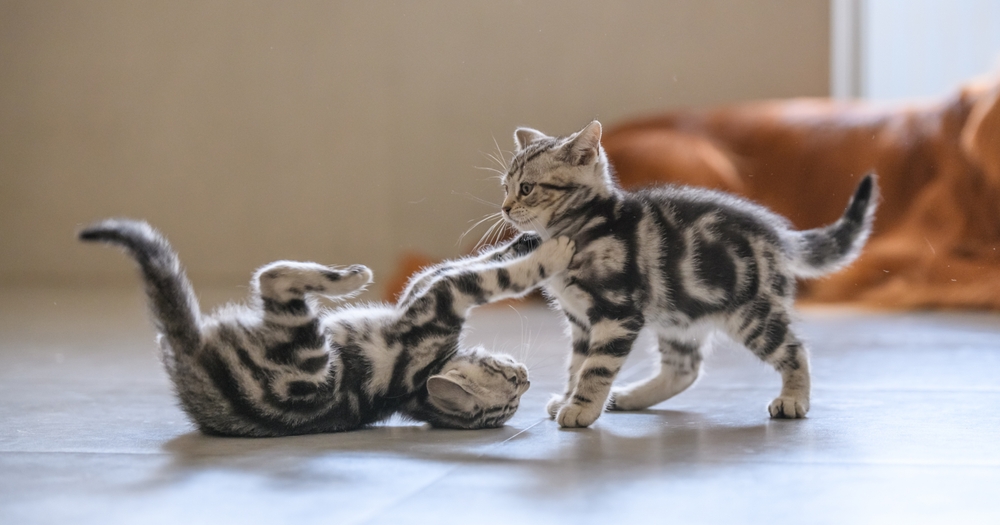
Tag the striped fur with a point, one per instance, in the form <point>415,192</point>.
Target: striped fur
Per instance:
<point>279,365</point>
<point>686,262</point>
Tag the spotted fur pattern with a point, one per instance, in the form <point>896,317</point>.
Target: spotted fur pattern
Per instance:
<point>686,262</point>
<point>279,365</point>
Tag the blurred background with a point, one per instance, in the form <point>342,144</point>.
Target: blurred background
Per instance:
<point>351,132</point>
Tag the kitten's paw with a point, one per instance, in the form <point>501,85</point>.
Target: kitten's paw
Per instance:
<point>555,404</point>
<point>347,280</point>
<point>576,415</point>
<point>789,407</point>
<point>556,254</point>
<point>525,243</point>
<point>622,400</point>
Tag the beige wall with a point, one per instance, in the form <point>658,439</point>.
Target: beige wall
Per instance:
<point>341,132</point>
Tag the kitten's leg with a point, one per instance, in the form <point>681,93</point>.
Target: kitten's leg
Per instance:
<point>479,284</point>
<point>580,334</point>
<point>770,338</point>
<point>610,343</point>
<point>522,245</point>
<point>285,282</point>
<point>680,362</point>
<point>294,349</point>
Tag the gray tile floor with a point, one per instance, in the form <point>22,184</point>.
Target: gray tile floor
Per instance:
<point>904,428</point>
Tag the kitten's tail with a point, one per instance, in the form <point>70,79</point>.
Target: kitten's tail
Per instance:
<point>827,249</point>
<point>171,298</point>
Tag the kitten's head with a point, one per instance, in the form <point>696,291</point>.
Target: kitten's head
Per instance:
<point>551,178</point>
<point>475,390</point>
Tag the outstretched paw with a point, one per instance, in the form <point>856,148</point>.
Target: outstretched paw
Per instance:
<point>343,281</point>
<point>788,407</point>
<point>577,415</point>
<point>556,254</point>
<point>525,243</point>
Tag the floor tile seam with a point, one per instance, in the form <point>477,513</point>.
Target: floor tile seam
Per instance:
<point>815,388</point>
<point>161,453</point>
<point>429,483</point>
<point>875,463</point>
<point>908,464</point>
<point>86,452</point>
<point>522,431</point>
<point>373,514</point>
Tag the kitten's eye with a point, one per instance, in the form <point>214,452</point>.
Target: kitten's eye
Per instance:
<point>526,188</point>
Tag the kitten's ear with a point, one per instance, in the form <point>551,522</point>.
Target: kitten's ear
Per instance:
<point>449,392</point>
<point>525,136</point>
<point>585,146</point>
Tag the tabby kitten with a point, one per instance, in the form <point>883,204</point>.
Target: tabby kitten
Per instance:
<point>685,261</point>
<point>280,366</point>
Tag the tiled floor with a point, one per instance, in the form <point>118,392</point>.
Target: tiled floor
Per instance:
<point>904,428</point>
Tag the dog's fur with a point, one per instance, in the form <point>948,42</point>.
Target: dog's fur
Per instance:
<point>937,237</point>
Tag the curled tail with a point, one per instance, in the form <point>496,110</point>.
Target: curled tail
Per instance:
<point>827,249</point>
<point>171,298</point>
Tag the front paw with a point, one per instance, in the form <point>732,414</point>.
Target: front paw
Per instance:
<point>577,415</point>
<point>788,407</point>
<point>525,243</point>
<point>556,254</point>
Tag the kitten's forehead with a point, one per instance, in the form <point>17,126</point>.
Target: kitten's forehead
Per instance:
<point>497,367</point>
<point>536,158</point>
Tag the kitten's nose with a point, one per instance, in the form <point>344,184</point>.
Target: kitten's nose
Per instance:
<point>506,209</point>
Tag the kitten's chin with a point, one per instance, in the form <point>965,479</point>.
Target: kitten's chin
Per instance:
<point>518,225</point>
<point>529,226</point>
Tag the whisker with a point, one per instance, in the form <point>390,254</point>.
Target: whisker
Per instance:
<point>504,231</point>
<point>474,226</point>
<point>485,240</point>
<point>474,198</point>
<point>489,239</point>
<point>499,174</point>
<point>505,163</point>
<point>487,234</point>
<point>535,368</point>
<point>494,158</point>
<point>535,227</point>
<point>489,216</point>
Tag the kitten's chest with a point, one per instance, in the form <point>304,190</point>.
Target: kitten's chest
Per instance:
<point>601,273</point>
<point>572,299</point>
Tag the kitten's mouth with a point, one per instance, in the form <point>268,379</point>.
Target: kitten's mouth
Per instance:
<point>518,223</point>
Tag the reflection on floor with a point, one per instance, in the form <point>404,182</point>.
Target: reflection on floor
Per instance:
<point>904,427</point>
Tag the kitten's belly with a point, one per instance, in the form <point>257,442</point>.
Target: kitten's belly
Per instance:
<point>657,312</point>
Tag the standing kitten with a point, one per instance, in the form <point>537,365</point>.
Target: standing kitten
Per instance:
<point>278,366</point>
<point>686,261</point>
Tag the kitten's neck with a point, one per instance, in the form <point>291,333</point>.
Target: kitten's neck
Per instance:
<point>574,220</point>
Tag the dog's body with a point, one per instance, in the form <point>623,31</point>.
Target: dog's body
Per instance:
<point>937,239</point>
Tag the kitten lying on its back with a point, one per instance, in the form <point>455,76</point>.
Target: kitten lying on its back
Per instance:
<point>277,366</point>
<point>685,261</point>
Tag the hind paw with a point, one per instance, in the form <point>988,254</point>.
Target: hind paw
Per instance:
<point>347,280</point>
<point>621,400</point>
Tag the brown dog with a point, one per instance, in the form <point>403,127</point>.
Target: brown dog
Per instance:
<point>937,235</point>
